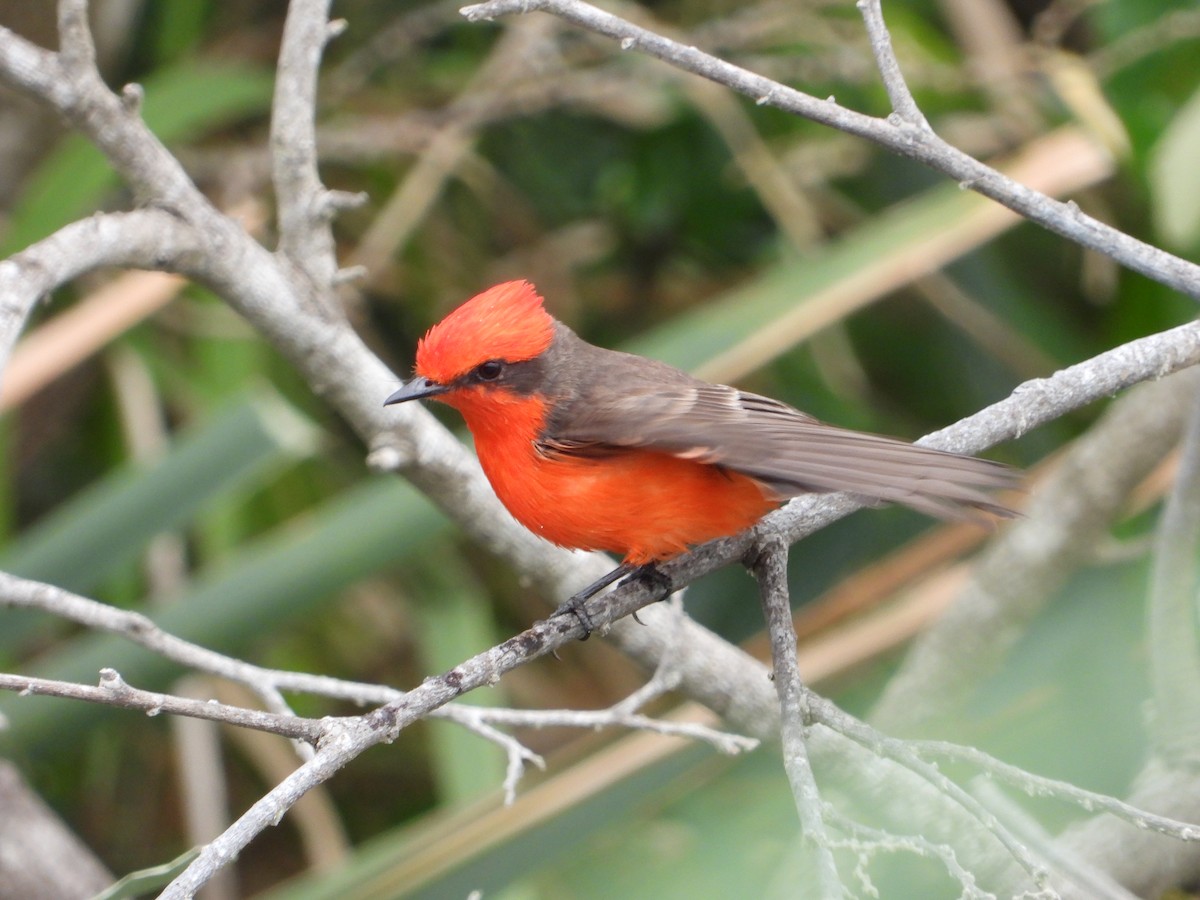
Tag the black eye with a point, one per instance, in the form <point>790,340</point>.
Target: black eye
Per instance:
<point>490,370</point>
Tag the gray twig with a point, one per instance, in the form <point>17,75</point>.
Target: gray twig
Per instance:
<point>904,105</point>
<point>305,207</point>
<point>900,752</point>
<point>113,691</point>
<point>1072,510</point>
<point>916,143</point>
<point>1040,786</point>
<point>770,568</point>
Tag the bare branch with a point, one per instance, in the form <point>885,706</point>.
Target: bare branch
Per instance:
<point>899,752</point>
<point>268,683</point>
<point>113,691</point>
<point>305,207</point>
<point>139,629</point>
<point>143,239</point>
<point>770,568</point>
<point>1072,510</point>
<point>34,70</point>
<point>475,719</point>
<point>1039,786</point>
<point>343,743</point>
<point>903,103</point>
<point>723,742</point>
<point>864,841</point>
<point>76,47</point>
<point>1071,874</point>
<point>904,138</point>
<point>345,739</point>
<point>1141,859</point>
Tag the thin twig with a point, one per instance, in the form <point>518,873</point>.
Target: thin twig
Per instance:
<point>1019,572</point>
<point>865,841</point>
<point>141,630</point>
<point>903,104</point>
<point>516,752</point>
<point>1039,786</point>
<point>770,568</point>
<point>113,691</point>
<point>304,204</point>
<point>268,683</point>
<point>829,715</point>
<point>666,673</point>
<point>1085,880</point>
<point>76,47</point>
<point>904,138</point>
<point>124,239</point>
<point>724,742</point>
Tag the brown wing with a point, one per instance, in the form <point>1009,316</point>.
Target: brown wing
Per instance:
<point>654,406</point>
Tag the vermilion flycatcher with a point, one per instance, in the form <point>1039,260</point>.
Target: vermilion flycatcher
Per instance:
<point>600,450</point>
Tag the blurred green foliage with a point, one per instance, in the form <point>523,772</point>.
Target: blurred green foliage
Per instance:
<point>605,178</point>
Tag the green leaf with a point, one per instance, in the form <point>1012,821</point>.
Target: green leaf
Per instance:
<point>107,526</point>
<point>143,881</point>
<point>455,620</point>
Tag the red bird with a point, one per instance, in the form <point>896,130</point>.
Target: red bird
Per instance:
<point>600,450</point>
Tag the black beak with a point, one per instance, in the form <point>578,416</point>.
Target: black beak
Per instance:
<point>417,389</point>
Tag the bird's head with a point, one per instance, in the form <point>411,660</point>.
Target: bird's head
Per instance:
<point>471,347</point>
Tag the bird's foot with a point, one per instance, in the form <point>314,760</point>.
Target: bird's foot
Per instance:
<point>576,604</point>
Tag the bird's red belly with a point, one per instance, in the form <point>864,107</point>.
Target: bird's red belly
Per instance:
<point>642,505</point>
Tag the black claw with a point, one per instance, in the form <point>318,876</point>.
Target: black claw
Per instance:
<point>655,577</point>
<point>577,604</point>
<point>576,607</point>
<point>579,610</point>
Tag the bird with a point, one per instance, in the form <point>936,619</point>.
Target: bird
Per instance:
<point>597,449</point>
